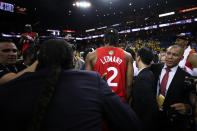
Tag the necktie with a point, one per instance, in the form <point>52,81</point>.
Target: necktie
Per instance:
<point>164,81</point>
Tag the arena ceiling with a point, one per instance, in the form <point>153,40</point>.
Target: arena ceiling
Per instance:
<point>61,14</point>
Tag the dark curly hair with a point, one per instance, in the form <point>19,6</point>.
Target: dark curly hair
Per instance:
<point>111,36</point>
<point>55,54</point>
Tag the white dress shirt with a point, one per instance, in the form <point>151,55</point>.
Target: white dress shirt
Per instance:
<point>170,77</point>
<point>135,69</point>
<point>140,71</point>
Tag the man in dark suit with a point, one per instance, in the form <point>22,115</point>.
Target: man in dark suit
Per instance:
<point>143,98</point>
<point>57,98</point>
<point>169,85</point>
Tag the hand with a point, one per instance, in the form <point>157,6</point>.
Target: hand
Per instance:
<point>104,76</point>
<point>181,108</point>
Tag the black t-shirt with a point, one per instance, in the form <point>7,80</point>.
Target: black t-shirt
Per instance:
<point>4,69</point>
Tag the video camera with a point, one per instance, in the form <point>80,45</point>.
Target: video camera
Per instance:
<point>190,83</point>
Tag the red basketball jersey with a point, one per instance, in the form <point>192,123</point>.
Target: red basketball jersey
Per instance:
<point>26,43</point>
<point>187,64</point>
<point>111,60</point>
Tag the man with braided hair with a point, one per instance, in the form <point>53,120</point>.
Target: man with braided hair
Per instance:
<point>51,99</point>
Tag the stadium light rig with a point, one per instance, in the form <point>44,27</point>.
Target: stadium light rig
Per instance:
<point>82,4</point>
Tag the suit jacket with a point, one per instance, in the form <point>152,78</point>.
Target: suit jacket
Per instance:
<point>168,118</point>
<point>143,99</point>
<point>81,101</point>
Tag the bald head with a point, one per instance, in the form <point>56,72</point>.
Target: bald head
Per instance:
<point>181,49</point>
<point>174,55</point>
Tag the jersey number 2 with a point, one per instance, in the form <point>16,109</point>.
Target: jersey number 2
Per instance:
<point>109,81</point>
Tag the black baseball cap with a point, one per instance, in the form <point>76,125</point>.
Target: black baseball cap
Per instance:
<point>111,36</point>
<point>111,31</point>
<point>184,36</point>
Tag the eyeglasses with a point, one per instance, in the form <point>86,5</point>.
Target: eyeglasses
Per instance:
<point>9,50</point>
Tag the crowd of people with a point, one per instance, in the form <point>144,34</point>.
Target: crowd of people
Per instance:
<point>110,88</point>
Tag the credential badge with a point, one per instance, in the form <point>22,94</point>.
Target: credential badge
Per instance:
<point>111,52</point>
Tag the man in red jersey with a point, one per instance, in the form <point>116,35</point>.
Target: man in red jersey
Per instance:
<point>189,62</point>
<point>116,63</point>
<point>28,38</point>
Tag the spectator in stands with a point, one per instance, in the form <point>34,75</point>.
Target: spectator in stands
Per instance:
<point>116,63</point>
<point>28,38</point>
<point>143,99</point>
<point>155,58</point>
<point>195,41</point>
<point>77,61</point>
<point>194,44</point>
<point>56,98</point>
<point>8,60</point>
<point>189,63</point>
<point>162,57</point>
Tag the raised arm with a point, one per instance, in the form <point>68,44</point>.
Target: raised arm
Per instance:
<point>10,76</point>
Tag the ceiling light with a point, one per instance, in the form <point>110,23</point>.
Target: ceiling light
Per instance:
<point>82,4</point>
<point>167,14</point>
